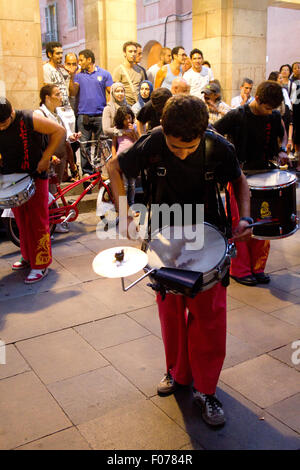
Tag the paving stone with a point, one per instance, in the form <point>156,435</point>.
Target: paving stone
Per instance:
<point>15,363</point>
<point>289,314</point>
<point>262,331</point>
<point>70,439</point>
<point>92,395</point>
<point>278,259</point>
<point>110,293</point>
<point>287,411</point>
<point>287,354</point>
<point>69,249</point>
<point>285,280</point>
<point>81,267</point>
<point>142,361</point>
<point>111,331</point>
<point>148,318</point>
<point>263,380</point>
<point>233,303</point>
<point>137,426</point>
<point>266,299</point>
<point>238,351</point>
<point>244,428</point>
<point>59,355</point>
<point>27,411</point>
<point>12,285</point>
<point>29,316</point>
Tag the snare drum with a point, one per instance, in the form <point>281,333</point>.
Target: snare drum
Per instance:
<point>273,194</point>
<point>169,250</point>
<point>15,189</point>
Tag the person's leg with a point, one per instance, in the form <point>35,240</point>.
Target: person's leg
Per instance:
<point>207,337</point>
<point>86,134</point>
<point>172,315</point>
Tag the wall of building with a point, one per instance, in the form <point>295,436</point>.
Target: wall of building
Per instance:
<point>72,38</point>
<point>283,37</point>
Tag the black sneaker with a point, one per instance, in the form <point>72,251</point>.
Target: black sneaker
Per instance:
<point>212,411</point>
<point>262,278</point>
<point>167,385</point>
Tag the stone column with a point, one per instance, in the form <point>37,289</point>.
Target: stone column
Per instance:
<point>108,24</point>
<point>20,52</point>
<point>232,37</point>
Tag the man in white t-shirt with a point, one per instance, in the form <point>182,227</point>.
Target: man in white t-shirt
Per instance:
<point>245,96</point>
<point>198,76</point>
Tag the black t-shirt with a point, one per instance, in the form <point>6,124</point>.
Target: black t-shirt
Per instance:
<point>148,114</point>
<point>254,137</point>
<point>183,181</point>
<point>21,146</point>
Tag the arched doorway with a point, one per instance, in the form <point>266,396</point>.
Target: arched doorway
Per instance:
<point>151,53</point>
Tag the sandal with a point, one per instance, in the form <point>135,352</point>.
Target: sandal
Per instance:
<point>22,264</point>
<point>36,275</point>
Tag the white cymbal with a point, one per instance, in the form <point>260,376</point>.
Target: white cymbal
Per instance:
<point>105,263</point>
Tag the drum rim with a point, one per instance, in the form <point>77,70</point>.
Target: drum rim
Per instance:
<point>274,187</point>
<point>214,268</point>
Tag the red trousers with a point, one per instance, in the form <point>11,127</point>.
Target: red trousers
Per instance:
<point>252,255</point>
<point>194,336</point>
<point>33,223</point>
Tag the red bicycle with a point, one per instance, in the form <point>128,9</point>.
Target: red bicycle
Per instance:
<point>98,152</point>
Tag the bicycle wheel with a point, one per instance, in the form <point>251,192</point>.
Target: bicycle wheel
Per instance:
<point>12,230</point>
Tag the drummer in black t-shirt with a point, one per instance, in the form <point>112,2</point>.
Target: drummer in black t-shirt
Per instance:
<point>259,136</point>
<point>194,347</point>
<point>22,151</point>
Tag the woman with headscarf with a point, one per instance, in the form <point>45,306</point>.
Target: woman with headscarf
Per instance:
<point>146,89</point>
<point>117,99</point>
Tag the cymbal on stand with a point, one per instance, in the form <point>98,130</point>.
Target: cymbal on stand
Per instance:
<point>119,262</point>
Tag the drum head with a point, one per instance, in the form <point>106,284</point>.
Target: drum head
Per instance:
<point>172,249</point>
<point>13,184</point>
<point>271,179</point>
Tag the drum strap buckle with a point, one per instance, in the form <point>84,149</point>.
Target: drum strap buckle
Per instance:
<point>209,176</point>
<point>161,171</point>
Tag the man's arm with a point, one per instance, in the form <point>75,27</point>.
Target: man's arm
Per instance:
<point>160,76</point>
<point>55,132</point>
<point>242,195</point>
<point>73,86</point>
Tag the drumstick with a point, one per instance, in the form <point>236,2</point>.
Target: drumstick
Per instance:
<point>268,220</point>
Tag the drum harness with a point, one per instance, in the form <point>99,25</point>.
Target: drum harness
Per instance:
<point>154,182</point>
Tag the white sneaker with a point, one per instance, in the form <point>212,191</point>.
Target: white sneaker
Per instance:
<point>63,227</point>
<point>212,411</point>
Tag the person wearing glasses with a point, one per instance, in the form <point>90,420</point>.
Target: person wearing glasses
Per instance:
<point>169,72</point>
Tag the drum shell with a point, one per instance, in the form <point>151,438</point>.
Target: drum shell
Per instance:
<point>278,203</point>
<point>18,195</point>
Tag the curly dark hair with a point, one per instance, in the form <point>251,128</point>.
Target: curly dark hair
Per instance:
<point>50,46</point>
<point>270,93</point>
<point>121,115</point>
<point>5,108</point>
<point>185,117</point>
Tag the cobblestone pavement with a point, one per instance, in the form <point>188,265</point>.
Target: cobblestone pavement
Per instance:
<point>83,358</point>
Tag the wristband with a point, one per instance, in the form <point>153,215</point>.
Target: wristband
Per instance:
<point>248,219</point>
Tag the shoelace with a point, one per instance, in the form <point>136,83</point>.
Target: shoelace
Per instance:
<point>213,403</point>
<point>168,379</point>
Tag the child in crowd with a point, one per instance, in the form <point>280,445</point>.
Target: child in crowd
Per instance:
<point>123,120</point>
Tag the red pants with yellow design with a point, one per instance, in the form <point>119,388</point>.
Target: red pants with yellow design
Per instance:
<point>33,223</point>
<point>252,255</point>
<point>194,336</point>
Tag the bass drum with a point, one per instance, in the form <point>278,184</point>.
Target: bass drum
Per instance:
<point>273,194</point>
<point>176,256</point>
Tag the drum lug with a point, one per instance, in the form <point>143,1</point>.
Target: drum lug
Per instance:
<point>280,193</point>
<point>294,218</point>
<point>219,274</point>
<point>231,251</point>
<point>280,230</point>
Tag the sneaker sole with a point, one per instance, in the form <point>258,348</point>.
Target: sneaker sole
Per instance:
<point>166,393</point>
<point>21,268</point>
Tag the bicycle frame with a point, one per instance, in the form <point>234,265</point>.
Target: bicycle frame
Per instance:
<point>69,212</point>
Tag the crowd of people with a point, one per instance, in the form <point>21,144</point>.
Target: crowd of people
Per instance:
<point>170,119</point>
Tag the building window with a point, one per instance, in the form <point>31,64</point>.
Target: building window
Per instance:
<point>51,23</point>
<point>148,2</point>
<point>72,17</point>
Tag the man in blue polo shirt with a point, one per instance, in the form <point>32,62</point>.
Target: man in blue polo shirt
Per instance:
<point>92,83</point>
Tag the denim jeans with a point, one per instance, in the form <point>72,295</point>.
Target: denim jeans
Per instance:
<point>90,131</point>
